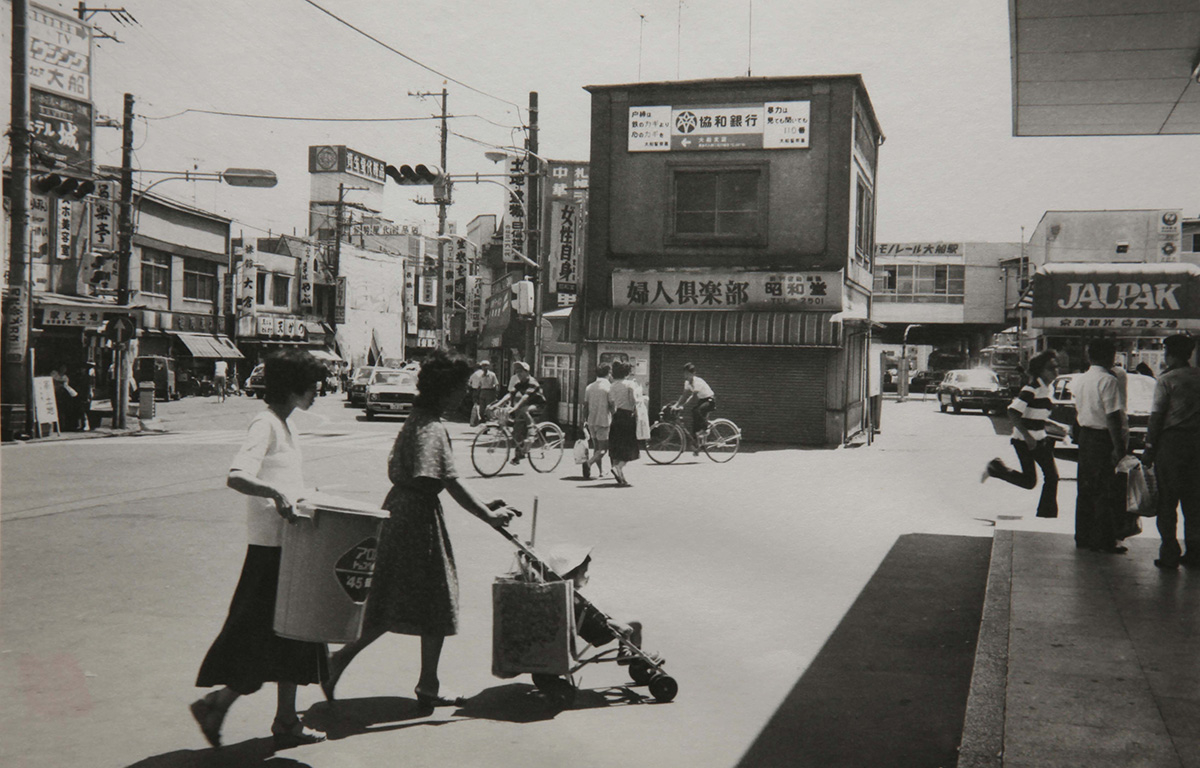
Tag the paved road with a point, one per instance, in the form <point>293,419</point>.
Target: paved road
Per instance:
<point>119,556</point>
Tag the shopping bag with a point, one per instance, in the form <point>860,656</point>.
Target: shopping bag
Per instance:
<point>581,449</point>
<point>532,627</point>
<point>475,418</point>
<point>1141,493</point>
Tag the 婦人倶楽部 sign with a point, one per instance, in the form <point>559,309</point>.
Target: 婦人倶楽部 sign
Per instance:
<point>727,289</point>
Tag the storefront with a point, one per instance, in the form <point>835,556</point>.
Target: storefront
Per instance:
<point>69,332</point>
<point>261,334</point>
<point>1136,304</point>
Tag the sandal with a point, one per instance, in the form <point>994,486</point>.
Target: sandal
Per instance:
<point>209,717</point>
<point>427,701</point>
<point>294,734</point>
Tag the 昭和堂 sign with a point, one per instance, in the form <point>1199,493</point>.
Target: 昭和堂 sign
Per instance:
<point>727,289</point>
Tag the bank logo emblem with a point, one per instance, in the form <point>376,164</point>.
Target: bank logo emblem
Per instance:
<point>686,122</point>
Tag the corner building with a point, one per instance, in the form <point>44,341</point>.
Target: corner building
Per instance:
<point>731,225</point>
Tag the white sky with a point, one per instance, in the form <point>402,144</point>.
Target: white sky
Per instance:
<point>937,72</point>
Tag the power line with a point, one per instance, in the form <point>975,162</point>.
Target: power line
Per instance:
<point>306,118</point>
<point>405,56</point>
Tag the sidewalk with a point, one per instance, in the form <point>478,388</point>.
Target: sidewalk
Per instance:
<point>1084,659</point>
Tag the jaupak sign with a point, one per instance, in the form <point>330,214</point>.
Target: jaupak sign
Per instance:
<point>1127,299</point>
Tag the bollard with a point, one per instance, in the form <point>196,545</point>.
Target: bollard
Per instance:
<point>146,399</point>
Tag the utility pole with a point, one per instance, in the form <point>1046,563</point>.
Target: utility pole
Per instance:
<point>442,202</point>
<point>124,255</point>
<point>17,299</point>
<point>533,234</point>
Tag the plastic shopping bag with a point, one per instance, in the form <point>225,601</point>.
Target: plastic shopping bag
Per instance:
<point>475,415</point>
<point>1141,491</point>
<point>581,449</point>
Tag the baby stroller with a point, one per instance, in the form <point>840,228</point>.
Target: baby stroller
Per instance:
<point>533,631</point>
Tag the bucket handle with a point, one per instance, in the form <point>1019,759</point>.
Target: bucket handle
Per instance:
<point>312,517</point>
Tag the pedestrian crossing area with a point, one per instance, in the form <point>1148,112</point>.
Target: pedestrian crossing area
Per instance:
<point>359,440</point>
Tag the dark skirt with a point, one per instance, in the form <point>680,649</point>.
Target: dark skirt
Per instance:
<point>248,653</point>
<point>415,587</point>
<point>622,436</point>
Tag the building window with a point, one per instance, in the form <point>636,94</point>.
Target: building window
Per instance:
<point>323,298</point>
<point>156,272</point>
<point>280,290</point>
<point>864,226</point>
<point>725,204</point>
<point>260,289</point>
<point>921,283</point>
<point>1191,242</point>
<point>199,280</point>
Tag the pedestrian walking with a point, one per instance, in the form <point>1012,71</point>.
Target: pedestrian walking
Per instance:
<point>220,372</point>
<point>1028,412</point>
<point>1173,446</point>
<point>484,384</point>
<point>622,432</point>
<point>247,652</point>
<point>1102,444</point>
<point>598,415</point>
<point>414,590</point>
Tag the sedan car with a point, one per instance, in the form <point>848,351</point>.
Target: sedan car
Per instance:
<point>356,390</point>
<point>254,382</point>
<point>972,388</point>
<point>391,391</point>
<point>1139,396</point>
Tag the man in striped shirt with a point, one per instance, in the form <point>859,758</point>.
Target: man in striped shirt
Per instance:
<point>1028,412</point>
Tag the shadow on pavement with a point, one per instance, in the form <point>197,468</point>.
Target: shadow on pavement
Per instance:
<point>247,754</point>
<point>890,685</point>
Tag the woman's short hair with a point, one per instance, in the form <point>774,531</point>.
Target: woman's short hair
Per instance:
<point>1038,363</point>
<point>290,372</point>
<point>621,369</point>
<point>603,370</point>
<point>442,372</point>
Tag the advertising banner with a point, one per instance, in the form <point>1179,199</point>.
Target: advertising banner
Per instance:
<point>564,248</point>
<point>1116,297</point>
<point>340,300</point>
<point>727,290</point>
<point>515,224</point>
<point>768,125</point>
<point>60,53</point>
<point>1170,235</point>
<point>61,130</point>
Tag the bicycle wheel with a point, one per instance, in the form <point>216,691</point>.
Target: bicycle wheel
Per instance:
<point>546,447</point>
<point>722,439</point>
<point>489,451</point>
<point>666,442</point>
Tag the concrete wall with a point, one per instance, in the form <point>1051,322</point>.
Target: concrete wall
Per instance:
<point>1093,236</point>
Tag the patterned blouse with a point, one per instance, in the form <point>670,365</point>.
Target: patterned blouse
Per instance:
<point>422,457</point>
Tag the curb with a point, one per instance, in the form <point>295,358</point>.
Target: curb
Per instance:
<point>982,743</point>
<point>147,427</point>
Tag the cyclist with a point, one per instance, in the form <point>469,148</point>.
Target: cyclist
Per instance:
<point>524,392</point>
<point>699,396</point>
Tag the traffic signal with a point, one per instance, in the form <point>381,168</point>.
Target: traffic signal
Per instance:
<point>522,299</point>
<point>409,175</point>
<point>60,185</point>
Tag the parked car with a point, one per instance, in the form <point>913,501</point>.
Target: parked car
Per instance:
<point>356,392</point>
<point>972,388</point>
<point>161,371</point>
<point>1139,397</point>
<point>254,382</point>
<point>391,391</point>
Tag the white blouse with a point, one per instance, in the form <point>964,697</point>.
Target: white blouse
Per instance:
<point>271,453</point>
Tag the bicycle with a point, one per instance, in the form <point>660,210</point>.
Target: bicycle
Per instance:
<point>494,444</point>
<point>669,438</point>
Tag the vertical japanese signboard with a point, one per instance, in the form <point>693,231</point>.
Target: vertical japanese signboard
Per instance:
<point>247,288</point>
<point>16,332</point>
<point>308,274</point>
<point>63,236</point>
<point>60,53</point>
<point>410,302</point>
<point>564,251</point>
<point>340,299</point>
<point>104,217</point>
<point>515,227</point>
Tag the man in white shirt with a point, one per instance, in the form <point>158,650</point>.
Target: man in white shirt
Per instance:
<point>598,416</point>
<point>1102,443</point>
<point>483,384</point>
<point>702,400</point>
<point>220,371</point>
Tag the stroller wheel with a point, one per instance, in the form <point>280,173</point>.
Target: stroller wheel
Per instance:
<point>640,672</point>
<point>663,688</point>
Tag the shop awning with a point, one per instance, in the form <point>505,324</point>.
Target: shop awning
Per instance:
<point>324,354</point>
<point>1157,298</point>
<point>752,329</point>
<point>209,346</point>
